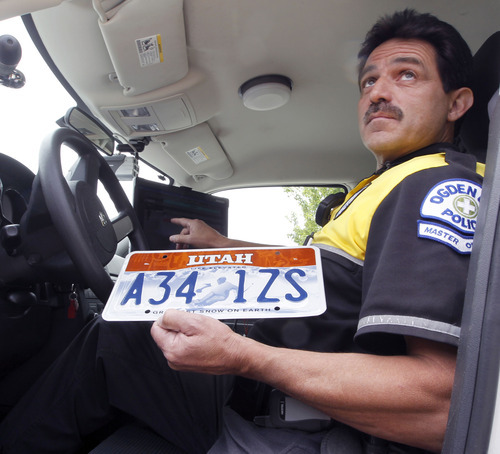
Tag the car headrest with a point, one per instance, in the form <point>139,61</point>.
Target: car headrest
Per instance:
<point>474,129</point>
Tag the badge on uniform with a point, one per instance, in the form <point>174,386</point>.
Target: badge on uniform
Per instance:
<point>456,204</point>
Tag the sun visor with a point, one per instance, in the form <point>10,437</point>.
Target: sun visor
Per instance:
<point>13,8</point>
<point>198,152</point>
<point>146,42</point>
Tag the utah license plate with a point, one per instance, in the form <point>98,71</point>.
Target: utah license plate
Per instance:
<point>224,283</point>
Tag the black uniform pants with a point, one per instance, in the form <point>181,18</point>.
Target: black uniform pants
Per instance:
<point>111,368</point>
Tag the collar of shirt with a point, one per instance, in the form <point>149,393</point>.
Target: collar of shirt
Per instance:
<point>431,149</point>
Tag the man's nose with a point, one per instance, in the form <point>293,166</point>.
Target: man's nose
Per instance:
<point>381,91</point>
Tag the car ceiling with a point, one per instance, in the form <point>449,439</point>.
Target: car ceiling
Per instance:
<point>212,47</point>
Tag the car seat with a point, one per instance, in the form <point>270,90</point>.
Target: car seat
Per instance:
<point>474,130</point>
<point>477,372</point>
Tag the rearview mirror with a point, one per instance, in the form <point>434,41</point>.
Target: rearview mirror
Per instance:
<point>83,123</point>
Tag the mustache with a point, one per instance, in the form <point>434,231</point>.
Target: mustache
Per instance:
<point>385,108</point>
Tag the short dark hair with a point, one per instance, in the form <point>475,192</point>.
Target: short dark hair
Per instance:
<point>454,58</point>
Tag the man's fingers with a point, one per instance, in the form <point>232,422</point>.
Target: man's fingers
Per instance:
<point>180,238</point>
<point>180,321</point>
<point>184,222</point>
<point>169,320</point>
<point>176,238</point>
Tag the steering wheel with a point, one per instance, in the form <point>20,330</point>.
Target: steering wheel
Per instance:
<point>78,215</point>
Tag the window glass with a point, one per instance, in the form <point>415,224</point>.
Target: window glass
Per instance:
<point>29,113</point>
<point>260,215</point>
<point>272,215</point>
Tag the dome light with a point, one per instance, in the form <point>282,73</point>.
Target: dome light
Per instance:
<point>266,92</point>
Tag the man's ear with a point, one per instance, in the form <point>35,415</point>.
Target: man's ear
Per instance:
<point>461,101</point>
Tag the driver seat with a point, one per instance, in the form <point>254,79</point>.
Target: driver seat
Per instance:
<point>476,377</point>
<point>475,127</point>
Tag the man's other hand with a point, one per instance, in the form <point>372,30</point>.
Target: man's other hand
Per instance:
<point>197,343</point>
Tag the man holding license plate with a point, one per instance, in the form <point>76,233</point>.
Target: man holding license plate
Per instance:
<point>376,369</point>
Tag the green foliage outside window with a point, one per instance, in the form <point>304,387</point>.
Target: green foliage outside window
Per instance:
<point>308,199</point>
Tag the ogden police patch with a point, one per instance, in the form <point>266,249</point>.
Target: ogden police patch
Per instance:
<point>445,235</point>
<point>456,203</point>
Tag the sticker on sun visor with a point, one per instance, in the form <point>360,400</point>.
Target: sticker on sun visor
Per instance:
<point>149,50</point>
<point>445,235</point>
<point>197,155</point>
<point>455,202</point>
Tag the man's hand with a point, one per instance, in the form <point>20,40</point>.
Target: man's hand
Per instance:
<point>197,343</point>
<point>200,235</point>
<point>197,234</point>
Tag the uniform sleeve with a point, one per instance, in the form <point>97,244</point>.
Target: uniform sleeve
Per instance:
<point>416,260</point>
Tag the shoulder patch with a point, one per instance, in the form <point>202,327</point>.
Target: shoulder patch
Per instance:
<point>445,235</point>
<point>455,202</point>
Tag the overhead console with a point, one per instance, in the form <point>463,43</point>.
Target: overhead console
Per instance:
<point>159,117</point>
<point>146,42</point>
<point>129,64</point>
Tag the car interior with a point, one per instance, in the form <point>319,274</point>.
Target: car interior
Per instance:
<point>213,96</point>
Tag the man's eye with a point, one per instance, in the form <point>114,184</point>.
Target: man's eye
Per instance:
<point>368,83</point>
<point>408,75</point>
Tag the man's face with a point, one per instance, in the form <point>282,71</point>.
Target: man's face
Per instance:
<point>403,106</point>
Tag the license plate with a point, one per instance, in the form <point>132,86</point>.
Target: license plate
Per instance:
<point>223,283</point>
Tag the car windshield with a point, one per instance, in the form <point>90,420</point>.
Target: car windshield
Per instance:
<point>30,113</point>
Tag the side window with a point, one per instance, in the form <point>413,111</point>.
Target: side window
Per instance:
<point>274,215</point>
